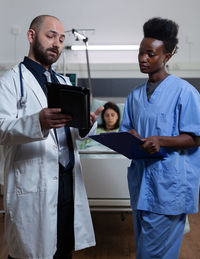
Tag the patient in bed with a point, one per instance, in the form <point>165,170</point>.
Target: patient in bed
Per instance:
<point>110,120</point>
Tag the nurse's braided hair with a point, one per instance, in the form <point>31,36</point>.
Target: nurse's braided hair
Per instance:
<point>164,30</point>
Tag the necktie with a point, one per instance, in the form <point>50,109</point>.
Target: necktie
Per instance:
<point>61,136</point>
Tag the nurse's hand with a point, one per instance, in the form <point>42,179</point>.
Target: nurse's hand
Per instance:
<point>53,118</point>
<point>94,115</point>
<point>151,144</point>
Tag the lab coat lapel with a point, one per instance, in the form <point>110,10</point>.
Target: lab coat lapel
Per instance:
<point>30,81</point>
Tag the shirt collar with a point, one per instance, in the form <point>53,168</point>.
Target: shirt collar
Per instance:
<point>34,66</point>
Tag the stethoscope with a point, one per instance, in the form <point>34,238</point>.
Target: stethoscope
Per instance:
<point>22,101</point>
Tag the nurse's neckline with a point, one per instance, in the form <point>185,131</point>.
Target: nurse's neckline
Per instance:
<point>154,79</point>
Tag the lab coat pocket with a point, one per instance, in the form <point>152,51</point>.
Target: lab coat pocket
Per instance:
<point>29,176</point>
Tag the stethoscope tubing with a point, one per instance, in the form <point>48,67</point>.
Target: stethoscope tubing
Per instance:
<point>22,101</point>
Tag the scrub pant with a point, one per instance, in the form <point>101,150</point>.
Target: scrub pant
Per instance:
<point>157,236</point>
<point>65,224</point>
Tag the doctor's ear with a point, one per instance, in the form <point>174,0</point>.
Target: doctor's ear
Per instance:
<point>31,35</point>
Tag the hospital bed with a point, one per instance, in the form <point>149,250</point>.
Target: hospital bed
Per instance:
<point>105,173</point>
<point>105,176</point>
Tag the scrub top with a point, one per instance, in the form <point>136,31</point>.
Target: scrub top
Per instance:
<point>168,186</point>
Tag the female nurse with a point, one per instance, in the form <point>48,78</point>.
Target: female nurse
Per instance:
<point>165,113</point>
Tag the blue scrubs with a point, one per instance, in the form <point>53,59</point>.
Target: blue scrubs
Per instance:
<point>150,245</point>
<point>169,186</point>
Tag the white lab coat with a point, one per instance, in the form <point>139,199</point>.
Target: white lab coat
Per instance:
<point>31,173</point>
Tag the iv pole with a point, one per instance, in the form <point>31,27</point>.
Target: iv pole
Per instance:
<point>82,37</point>
<point>88,68</point>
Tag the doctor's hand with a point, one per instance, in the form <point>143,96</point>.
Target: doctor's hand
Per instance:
<point>53,118</point>
<point>135,133</point>
<point>94,115</point>
<point>151,144</point>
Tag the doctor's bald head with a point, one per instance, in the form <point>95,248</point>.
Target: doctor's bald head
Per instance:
<point>38,21</point>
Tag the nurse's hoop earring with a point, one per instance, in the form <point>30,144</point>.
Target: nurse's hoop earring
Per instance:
<point>174,50</point>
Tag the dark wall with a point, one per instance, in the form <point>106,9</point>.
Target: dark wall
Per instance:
<point>120,87</point>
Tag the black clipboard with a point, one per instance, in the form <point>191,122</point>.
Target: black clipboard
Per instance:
<point>72,100</point>
<point>126,144</point>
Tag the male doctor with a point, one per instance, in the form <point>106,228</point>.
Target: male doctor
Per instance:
<point>46,208</point>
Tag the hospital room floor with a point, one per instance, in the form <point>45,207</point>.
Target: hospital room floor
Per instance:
<point>115,238</point>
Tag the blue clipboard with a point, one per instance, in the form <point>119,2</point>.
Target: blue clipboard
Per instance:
<point>126,144</point>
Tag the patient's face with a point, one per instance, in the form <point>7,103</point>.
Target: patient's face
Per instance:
<point>110,118</point>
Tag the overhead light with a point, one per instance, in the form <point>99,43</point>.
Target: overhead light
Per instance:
<point>103,47</point>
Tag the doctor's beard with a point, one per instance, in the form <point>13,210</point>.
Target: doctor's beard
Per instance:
<point>41,54</point>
